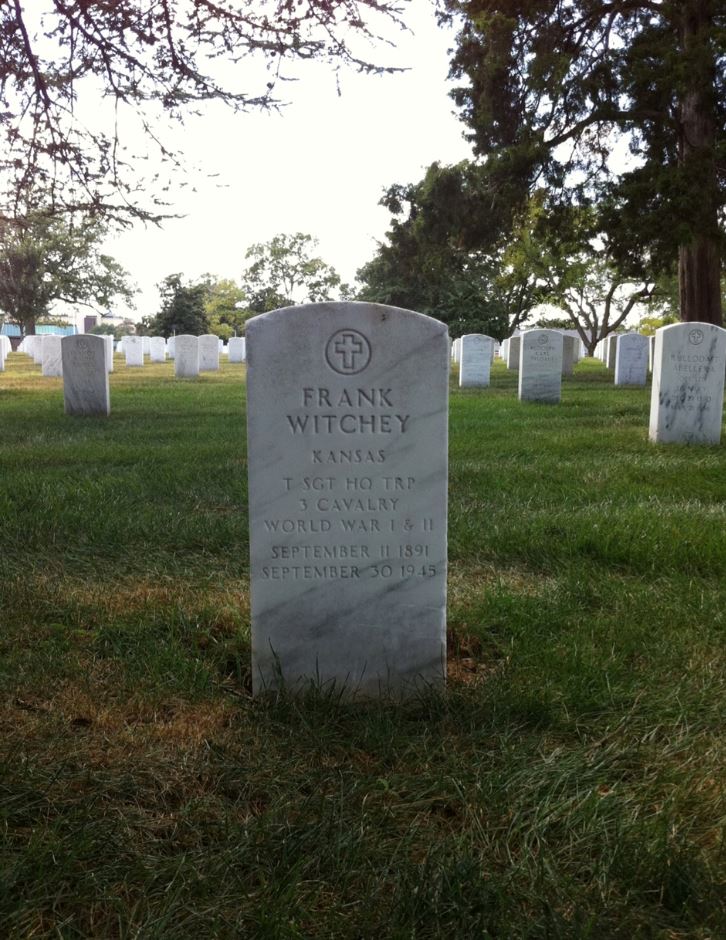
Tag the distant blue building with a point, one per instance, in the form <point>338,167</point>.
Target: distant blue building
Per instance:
<point>15,334</point>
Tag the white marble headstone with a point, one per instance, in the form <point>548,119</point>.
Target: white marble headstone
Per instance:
<point>51,349</point>
<point>36,349</point>
<point>513,351</point>
<point>686,404</point>
<point>208,353</point>
<point>157,349</point>
<point>170,347</point>
<point>85,377</point>
<point>134,350</point>
<point>568,354</point>
<point>631,359</point>
<point>186,358</point>
<point>347,455</point>
<point>476,360</point>
<point>237,349</point>
<point>611,345</point>
<point>540,366</point>
<point>109,353</point>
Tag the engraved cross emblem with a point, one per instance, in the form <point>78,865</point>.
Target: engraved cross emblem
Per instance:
<point>349,347</point>
<point>348,352</point>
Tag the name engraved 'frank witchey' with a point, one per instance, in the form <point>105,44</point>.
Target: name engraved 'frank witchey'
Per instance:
<point>347,434</point>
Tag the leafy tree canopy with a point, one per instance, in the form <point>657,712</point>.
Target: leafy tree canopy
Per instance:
<point>145,60</point>
<point>563,251</point>
<point>552,89</point>
<point>182,308</point>
<point>648,325</point>
<point>283,271</point>
<point>45,260</point>
<point>444,255</point>
<point>225,307</point>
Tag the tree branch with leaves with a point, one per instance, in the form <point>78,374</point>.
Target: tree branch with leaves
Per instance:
<point>550,90</point>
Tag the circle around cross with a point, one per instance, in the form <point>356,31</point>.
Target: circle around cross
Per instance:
<point>348,352</point>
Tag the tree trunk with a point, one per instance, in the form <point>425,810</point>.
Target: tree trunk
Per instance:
<point>699,259</point>
<point>699,281</point>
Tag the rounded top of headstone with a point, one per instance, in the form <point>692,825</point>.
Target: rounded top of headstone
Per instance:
<point>696,331</point>
<point>347,338</point>
<point>350,308</point>
<point>540,337</point>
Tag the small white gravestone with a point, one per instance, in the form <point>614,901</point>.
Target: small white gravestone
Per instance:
<point>208,353</point>
<point>686,403</point>
<point>109,353</point>
<point>631,359</point>
<point>513,352</point>
<point>540,366</point>
<point>577,349</point>
<point>36,349</point>
<point>237,349</point>
<point>134,349</point>
<point>186,359</point>
<point>146,344</point>
<point>476,360</point>
<point>85,377</point>
<point>568,354</point>
<point>170,347</point>
<point>51,349</point>
<point>157,349</point>
<point>5,350</point>
<point>611,344</point>
<point>347,451</point>
<point>651,350</point>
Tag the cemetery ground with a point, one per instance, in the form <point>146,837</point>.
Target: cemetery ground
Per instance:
<point>568,783</point>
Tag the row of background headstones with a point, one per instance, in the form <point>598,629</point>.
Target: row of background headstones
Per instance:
<point>686,396</point>
<point>46,351</point>
<point>84,361</point>
<point>688,361</point>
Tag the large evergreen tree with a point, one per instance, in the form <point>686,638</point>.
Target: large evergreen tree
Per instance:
<point>553,87</point>
<point>182,308</point>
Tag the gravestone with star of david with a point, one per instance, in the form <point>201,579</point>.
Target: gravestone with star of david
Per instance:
<point>347,461</point>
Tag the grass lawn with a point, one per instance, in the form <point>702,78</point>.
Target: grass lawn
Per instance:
<point>568,784</point>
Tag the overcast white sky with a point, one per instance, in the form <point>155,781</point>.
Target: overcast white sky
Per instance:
<point>319,167</point>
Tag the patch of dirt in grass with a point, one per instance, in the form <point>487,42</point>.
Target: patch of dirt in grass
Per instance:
<point>466,662</point>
